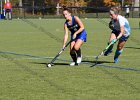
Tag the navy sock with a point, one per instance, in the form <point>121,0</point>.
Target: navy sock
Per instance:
<point>78,53</point>
<point>110,48</point>
<point>73,56</point>
<point>117,53</point>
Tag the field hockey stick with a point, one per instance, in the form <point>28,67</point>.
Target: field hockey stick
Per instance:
<point>102,53</point>
<point>51,63</point>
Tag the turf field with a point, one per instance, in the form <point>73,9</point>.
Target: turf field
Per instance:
<point>26,46</point>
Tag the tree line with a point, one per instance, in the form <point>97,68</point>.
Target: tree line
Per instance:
<point>77,3</point>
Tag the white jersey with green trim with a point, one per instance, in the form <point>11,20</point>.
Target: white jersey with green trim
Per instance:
<point>124,22</point>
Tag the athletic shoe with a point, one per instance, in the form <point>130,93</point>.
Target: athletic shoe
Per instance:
<point>116,60</point>
<point>72,64</point>
<point>107,53</point>
<point>79,59</point>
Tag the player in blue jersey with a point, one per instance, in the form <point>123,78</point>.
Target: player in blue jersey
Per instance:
<point>78,34</point>
<point>120,32</point>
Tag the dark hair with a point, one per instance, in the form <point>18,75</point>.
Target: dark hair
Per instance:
<point>67,9</point>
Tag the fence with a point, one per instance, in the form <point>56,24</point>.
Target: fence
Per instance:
<point>83,12</point>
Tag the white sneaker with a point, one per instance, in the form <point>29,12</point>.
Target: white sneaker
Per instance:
<point>79,59</point>
<point>72,64</point>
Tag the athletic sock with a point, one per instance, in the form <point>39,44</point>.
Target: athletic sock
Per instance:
<point>117,53</point>
<point>73,56</point>
<point>78,52</point>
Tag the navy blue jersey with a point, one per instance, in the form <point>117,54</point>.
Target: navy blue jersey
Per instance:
<point>74,26</point>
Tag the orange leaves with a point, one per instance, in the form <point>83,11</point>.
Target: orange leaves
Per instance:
<point>109,3</point>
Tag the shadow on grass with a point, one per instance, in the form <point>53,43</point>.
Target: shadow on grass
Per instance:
<point>83,62</point>
<point>97,62</point>
<point>132,47</point>
<point>63,64</point>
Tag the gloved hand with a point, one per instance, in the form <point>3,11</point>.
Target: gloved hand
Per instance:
<point>114,41</point>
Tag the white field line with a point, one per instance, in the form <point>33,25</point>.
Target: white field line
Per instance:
<point>39,57</point>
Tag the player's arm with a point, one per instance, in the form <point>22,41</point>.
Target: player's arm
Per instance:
<point>121,32</point>
<point>66,31</point>
<point>77,19</point>
<point>121,29</point>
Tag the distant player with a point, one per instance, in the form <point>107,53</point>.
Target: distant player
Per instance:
<point>120,31</point>
<point>127,11</point>
<point>78,33</point>
<point>8,10</point>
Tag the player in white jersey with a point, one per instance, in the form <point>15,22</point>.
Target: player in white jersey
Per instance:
<point>120,32</point>
<point>127,11</point>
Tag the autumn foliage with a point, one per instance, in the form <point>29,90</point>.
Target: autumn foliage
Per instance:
<point>110,3</point>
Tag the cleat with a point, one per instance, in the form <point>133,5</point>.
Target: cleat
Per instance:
<point>79,60</point>
<point>72,64</point>
<point>116,60</point>
<point>107,53</point>
<point>76,64</point>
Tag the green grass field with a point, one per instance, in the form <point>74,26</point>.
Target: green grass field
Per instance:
<point>26,46</point>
